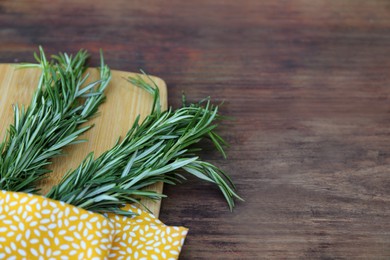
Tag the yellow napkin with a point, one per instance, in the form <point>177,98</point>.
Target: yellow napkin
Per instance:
<point>34,227</point>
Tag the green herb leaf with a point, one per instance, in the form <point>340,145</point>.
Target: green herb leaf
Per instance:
<point>155,150</point>
<point>52,120</point>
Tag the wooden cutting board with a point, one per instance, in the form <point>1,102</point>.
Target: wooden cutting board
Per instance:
<point>124,102</point>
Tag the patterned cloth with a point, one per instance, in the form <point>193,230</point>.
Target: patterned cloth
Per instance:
<point>34,227</point>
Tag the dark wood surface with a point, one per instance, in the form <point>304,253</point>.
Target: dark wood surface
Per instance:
<point>308,83</point>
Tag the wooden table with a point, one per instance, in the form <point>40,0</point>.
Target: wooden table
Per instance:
<point>308,83</point>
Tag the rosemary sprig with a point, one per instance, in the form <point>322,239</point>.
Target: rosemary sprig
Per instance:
<point>52,120</point>
<point>152,151</point>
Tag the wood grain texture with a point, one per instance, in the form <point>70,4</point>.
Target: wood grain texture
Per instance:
<point>116,116</point>
<point>308,83</point>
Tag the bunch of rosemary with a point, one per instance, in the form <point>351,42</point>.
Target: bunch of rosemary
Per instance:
<point>51,121</point>
<point>152,151</point>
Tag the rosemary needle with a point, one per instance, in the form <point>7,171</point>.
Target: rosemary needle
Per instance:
<point>51,121</point>
<point>152,151</point>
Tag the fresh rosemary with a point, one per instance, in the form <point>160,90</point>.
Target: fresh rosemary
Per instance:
<point>152,151</point>
<point>51,121</point>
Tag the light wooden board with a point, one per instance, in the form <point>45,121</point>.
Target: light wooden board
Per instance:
<point>124,102</point>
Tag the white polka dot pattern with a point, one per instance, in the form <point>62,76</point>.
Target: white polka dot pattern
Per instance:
<point>145,237</point>
<point>34,227</point>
